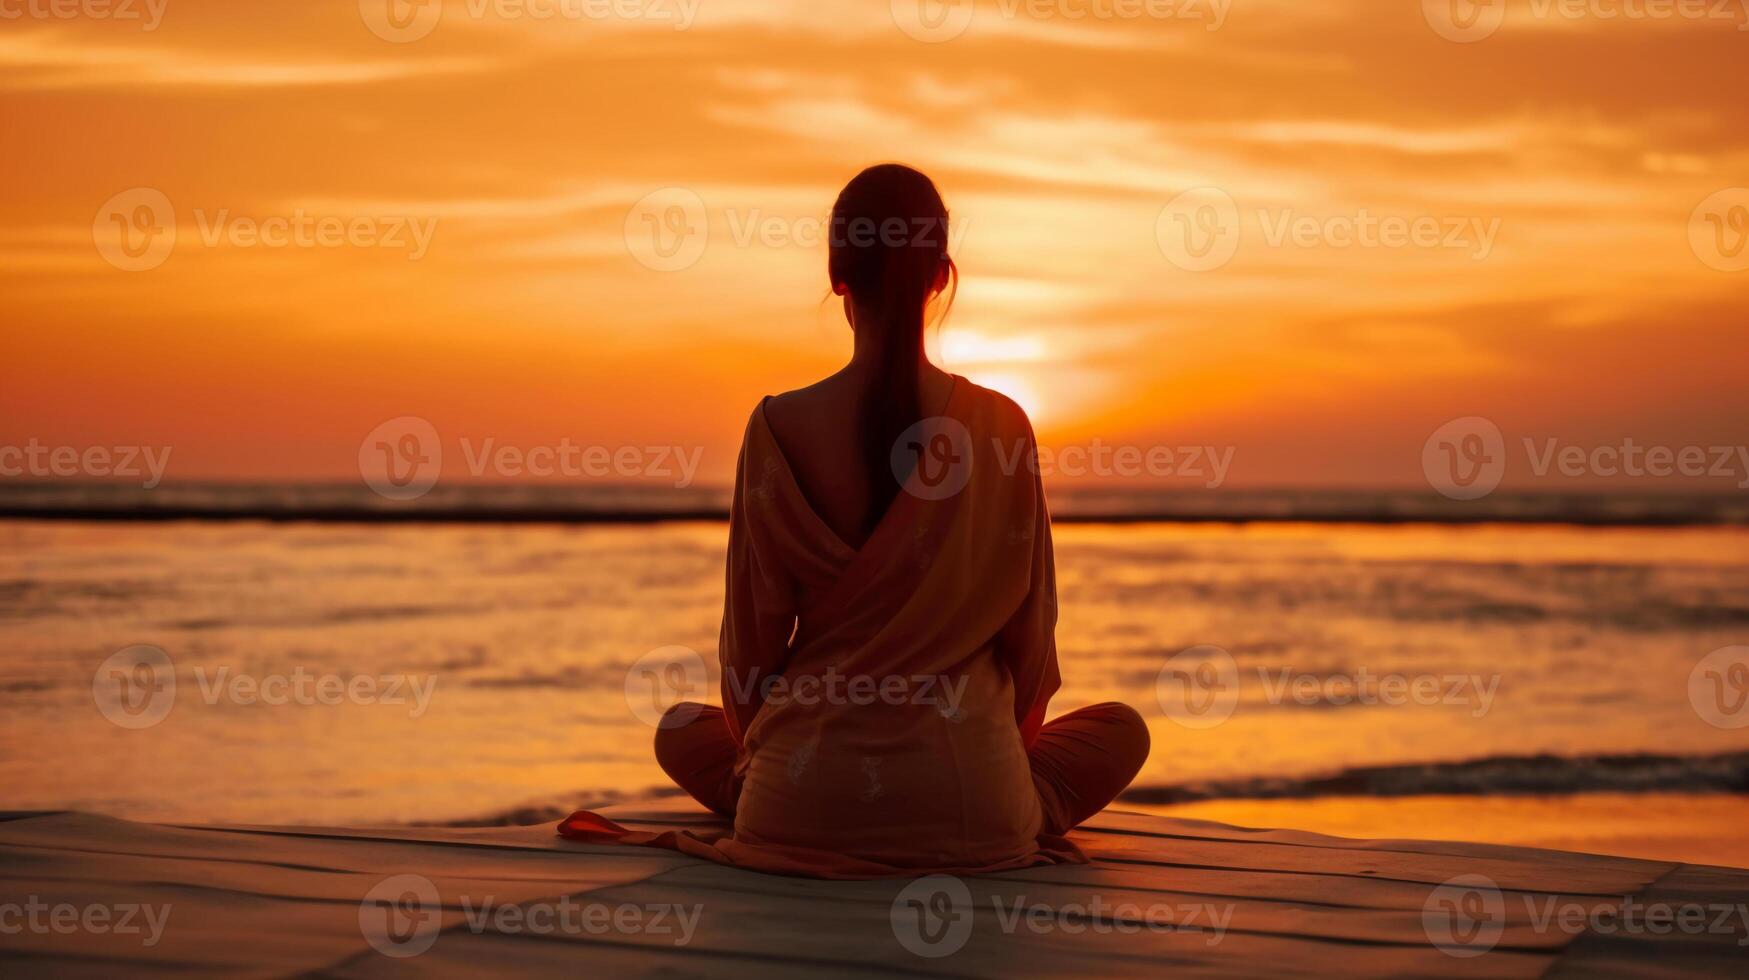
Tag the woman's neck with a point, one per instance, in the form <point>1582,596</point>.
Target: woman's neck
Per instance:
<point>873,355</point>
<point>872,341</point>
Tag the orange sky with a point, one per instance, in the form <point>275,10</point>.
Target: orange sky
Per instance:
<point>532,315</point>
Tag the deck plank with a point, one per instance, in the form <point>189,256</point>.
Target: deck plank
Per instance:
<point>1223,901</point>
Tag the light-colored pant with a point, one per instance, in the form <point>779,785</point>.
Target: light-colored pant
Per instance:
<point>1080,761</point>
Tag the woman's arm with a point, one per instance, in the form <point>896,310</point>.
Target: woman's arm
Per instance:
<point>1027,643</point>
<point>759,615</point>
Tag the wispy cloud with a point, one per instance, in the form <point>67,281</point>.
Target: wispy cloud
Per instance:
<point>52,59</point>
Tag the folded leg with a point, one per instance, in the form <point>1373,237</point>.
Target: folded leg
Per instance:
<point>695,749</point>
<point>1082,760</point>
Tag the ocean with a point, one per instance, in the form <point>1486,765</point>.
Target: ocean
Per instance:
<point>357,673</point>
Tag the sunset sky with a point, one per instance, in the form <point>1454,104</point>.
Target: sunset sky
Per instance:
<point>1593,288</point>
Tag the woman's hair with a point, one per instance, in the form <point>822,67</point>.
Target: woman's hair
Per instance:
<point>888,241</point>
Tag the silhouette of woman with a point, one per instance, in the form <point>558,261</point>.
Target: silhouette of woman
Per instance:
<point>888,643</point>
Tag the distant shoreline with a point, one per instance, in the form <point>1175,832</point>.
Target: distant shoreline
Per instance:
<point>339,503</point>
<point>465,515</point>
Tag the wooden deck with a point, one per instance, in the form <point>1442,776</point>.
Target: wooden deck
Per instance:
<point>1163,897</point>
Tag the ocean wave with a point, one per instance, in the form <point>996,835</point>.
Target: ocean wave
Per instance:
<point>1527,775</point>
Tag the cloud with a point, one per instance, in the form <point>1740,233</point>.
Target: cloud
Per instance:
<point>48,59</point>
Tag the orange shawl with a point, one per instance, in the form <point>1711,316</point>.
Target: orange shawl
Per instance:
<point>884,697</point>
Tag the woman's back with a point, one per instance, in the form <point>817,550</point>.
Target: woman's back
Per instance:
<point>888,727</point>
<point>819,429</point>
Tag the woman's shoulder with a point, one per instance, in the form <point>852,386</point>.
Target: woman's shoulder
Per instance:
<point>830,403</point>
<point>990,409</point>
<point>803,412</point>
